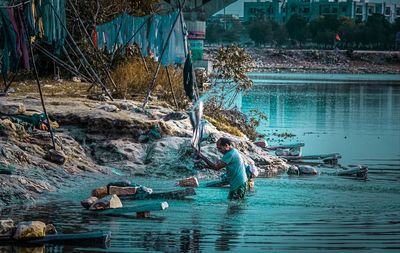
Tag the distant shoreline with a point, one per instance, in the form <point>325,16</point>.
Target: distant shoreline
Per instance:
<point>322,61</point>
<point>297,78</point>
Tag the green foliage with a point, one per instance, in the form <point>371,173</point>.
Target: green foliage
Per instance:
<point>233,32</point>
<point>222,32</point>
<point>232,63</point>
<point>396,25</point>
<point>255,117</point>
<point>323,29</point>
<point>376,33</point>
<point>213,33</point>
<point>260,31</point>
<point>279,33</point>
<point>377,29</point>
<point>297,28</point>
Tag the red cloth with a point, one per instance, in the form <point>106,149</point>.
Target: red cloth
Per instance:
<point>337,37</point>
<point>94,36</point>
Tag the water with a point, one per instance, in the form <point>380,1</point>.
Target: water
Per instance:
<point>285,214</point>
<point>355,115</point>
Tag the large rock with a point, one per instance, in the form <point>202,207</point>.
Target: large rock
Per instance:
<point>100,192</point>
<point>121,191</point>
<point>87,203</point>
<point>302,170</point>
<point>56,156</point>
<point>30,229</point>
<point>108,108</point>
<point>12,108</point>
<point>8,124</point>
<point>108,202</point>
<point>50,229</point>
<point>261,143</point>
<point>189,182</point>
<point>6,228</point>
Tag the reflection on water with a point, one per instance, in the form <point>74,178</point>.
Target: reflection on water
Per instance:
<point>285,214</point>
<point>303,214</point>
<point>357,120</point>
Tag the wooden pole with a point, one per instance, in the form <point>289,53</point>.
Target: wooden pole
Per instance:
<point>40,89</point>
<point>96,53</point>
<point>144,60</point>
<point>172,89</point>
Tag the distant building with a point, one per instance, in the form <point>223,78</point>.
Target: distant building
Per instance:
<point>226,21</point>
<point>359,10</point>
<point>275,10</point>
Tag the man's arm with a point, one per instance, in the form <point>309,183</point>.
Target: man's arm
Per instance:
<point>214,166</point>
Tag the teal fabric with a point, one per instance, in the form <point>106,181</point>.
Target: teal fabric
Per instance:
<point>8,42</point>
<point>54,20</point>
<point>151,38</point>
<point>235,168</point>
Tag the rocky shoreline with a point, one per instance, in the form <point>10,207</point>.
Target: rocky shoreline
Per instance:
<point>322,61</point>
<point>101,138</point>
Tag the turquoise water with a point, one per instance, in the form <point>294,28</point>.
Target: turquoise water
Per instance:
<point>359,120</point>
<point>285,214</point>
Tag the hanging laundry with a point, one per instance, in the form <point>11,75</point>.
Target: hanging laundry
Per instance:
<point>8,42</point>
<point>188,77</point>
<point>149,33</point>
<point>22,40</point>
<point>94,36</point>
<point>32,18</point>
<point>54,20</point>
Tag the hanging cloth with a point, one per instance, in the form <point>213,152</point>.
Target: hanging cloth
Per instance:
<point>22,40</point>
<point>54,20</point>
<point>94,36</point>
<point>150,37</point>
<point>8,42</point>
<point>188,78</point>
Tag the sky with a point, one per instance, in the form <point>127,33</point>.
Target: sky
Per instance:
<point>236,8</point>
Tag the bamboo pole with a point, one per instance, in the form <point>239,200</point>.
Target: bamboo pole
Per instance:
<point>172,89</point>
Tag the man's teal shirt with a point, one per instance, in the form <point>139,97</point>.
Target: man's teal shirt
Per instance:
<point>235,167</point>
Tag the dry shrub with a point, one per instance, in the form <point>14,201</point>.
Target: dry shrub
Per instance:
<point>132,80</point>
<point>233,121</point>
<point>222,125</point>
<point>164,88</point>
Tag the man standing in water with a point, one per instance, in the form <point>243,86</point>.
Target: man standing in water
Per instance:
<point>235,167</point>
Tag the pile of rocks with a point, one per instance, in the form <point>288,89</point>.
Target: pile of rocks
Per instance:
<point>25,230</point>
<point>107,197</point>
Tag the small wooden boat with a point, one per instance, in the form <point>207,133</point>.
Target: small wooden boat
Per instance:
<point>142,211</point>
<point>286,146</point>
<point>90,239</point>
<point>294,149</point>
<point>359,172</point>
<point>325,158</point>
<point>179,194</point>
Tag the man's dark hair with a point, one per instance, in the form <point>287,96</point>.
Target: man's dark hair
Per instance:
<point>224,141</point>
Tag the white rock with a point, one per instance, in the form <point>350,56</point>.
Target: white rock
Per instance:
<point>6,228</point>
<point>108,202</point>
